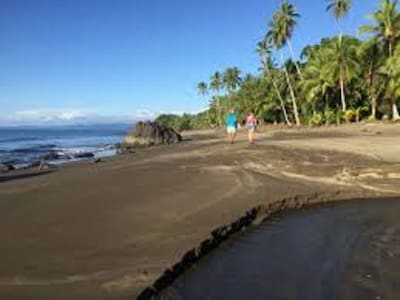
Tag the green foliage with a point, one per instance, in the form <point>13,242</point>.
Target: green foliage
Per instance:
<point>340,79</point>
<point>184,122</point>
<point>339,7</point>
<point>330,117</point>
<point>282,25</point>
<point>387,25</point>
<point>317,119</point>
<point>349,115</point>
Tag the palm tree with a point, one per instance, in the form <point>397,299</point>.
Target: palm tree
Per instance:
<point>291,91</point>
<point>264,50</point>
<point>387,31</point>
<point>231,80</point>
<point>202,89</point>
<point>216,85</point>
<point>316,84</point>
<point>250,93</point>
<point>342,63</point>
<point>282,27</point>
<point>340,9</point>
<point>387,27</point>
<point>370,53</point>
<point>280,33</point>
<point>391,70</point>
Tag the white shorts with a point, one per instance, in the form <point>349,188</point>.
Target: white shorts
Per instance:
<point>231,129</point>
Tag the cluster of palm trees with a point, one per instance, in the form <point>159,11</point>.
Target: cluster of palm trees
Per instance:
<point>228,81</point>
<point>342,78</point>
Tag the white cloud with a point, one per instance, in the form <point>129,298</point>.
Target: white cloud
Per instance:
<point>73,116</point>
<point>143,113</point>
<point>46,115</point>
<point>180,112</point>
<point>69,116</point>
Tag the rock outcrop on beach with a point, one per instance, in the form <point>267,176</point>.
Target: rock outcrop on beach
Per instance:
<point>5,167</point>
<point>146,134</point>
<point>52,155</point>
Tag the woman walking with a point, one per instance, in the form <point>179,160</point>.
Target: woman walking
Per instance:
<point>251,127</point>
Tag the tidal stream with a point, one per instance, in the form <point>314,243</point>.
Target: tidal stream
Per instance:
<point>347,250</point>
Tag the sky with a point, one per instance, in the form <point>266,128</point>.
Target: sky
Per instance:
<point>120,60</point>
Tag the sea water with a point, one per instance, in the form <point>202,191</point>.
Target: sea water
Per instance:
<point>22,146</point>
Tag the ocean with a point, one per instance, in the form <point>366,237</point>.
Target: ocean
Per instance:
<point>24,146</point>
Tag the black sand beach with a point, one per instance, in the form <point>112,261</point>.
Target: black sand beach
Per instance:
<point>81,233</point>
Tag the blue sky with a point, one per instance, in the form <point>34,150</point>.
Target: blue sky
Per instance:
<point>122,59</point>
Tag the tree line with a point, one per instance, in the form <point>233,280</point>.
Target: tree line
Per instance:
<point>341,79</point>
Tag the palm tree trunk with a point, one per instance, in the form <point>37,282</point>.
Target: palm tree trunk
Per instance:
<point>373,107</point>
<point>342,95</point>
<point>208,119</point>
<point>338,115</point>
<point>229,102</point>
<point>294,59</point>
<point>371,90</point>
<point>219,109</point>
<point>395,111</point>
<point>326,110</point>
<point>278,94</point>
<point>295,110</point>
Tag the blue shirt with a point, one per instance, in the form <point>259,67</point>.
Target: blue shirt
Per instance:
<point>231,120</point>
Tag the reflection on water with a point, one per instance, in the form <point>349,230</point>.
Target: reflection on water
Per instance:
<point>349,250</point>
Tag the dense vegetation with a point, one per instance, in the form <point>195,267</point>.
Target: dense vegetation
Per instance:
<point>185,121</point>
<point>341,79</point>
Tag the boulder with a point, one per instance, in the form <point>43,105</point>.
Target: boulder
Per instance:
<point>84,155</point>
<point>146,134</point>
<point>52,155</point>
<point>6,167</point>
<point>40,165</point>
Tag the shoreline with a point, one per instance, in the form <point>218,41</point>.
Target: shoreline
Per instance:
<point>116,231</point>
<point>111,150</point>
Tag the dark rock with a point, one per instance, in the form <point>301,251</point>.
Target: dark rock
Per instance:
<point>164,281</point>
<point>40,164</point>
<point>146,134</point>
<point>148,293</point>
<point>84,155</point>
<point>124,149</point>
<point>52,155</point>
<point>112,146</point>
<point>6,167</point>
<point>190,257</point>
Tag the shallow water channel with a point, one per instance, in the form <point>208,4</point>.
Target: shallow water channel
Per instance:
<point>347,250</point>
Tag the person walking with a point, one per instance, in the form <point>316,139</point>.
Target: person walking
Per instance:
<point>231,125</point>
<point>251,123</point>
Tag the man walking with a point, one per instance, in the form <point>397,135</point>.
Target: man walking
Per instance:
<point>231,125</point>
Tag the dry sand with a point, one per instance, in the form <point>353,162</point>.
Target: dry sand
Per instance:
<point>82,233</point>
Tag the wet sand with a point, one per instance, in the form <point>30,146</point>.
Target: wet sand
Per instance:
<point>107,233</point>
<point>346,250</point>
